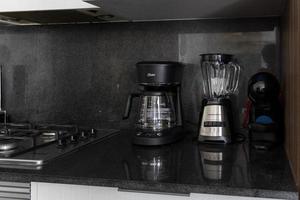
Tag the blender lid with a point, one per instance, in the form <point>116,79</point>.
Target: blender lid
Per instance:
<point>226,58</point>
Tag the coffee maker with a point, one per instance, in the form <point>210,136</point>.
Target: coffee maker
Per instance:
<point>160,115</point>
<point>220,80</point>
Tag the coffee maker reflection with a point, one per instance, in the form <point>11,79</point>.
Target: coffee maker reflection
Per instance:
<point>217,162</point>
<point>158,163</point>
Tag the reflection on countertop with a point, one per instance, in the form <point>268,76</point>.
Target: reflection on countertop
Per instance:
<point>190,162</point>
<point>182,167</point>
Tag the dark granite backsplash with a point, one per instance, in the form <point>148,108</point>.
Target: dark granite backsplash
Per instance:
<point>83,73</point>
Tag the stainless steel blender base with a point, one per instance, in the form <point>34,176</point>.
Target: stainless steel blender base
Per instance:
<point>214,125</point>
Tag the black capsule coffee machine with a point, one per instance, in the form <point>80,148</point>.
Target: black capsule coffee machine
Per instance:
<point>265,112</point>
<point>160,116</point>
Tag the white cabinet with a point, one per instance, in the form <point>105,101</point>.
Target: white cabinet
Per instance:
<point>50,191</point>
<point>46,191</point>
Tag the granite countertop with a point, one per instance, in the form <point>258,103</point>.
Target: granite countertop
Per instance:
<point>184,167</point>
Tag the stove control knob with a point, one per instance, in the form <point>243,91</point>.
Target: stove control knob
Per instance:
<point>74,138</point>
<point>83,135</point>
<point>61,143</point>
<point>93,132</point>
<point>61,139</point>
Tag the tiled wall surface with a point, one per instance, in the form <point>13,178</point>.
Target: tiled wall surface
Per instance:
<point>83,73</point>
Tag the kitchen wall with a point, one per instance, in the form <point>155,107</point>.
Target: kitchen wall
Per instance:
<point>83,73</point>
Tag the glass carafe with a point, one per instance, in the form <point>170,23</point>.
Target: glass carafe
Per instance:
<point>157,111</point>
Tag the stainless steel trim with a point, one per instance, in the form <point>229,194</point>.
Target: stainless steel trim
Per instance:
<point>152,192</point>
<point>12,161</point>
<point>29,167</point>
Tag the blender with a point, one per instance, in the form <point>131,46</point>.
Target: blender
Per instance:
<point>220,80</point>
<point>159,117</point>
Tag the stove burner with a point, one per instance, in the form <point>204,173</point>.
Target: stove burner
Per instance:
<point>7,144</point>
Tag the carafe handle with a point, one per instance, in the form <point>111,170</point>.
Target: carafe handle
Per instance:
<point>129,104</point>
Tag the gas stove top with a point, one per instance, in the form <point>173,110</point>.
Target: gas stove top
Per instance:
<point>29,146</point>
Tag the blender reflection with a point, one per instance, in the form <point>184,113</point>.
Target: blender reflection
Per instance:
<point>216,161</point>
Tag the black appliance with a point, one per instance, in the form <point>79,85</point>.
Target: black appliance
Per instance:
<point>265,112</point>
<point>160,116</point>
